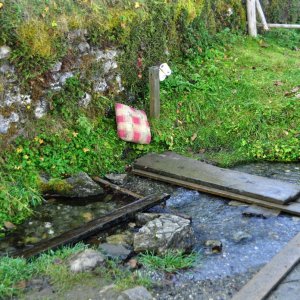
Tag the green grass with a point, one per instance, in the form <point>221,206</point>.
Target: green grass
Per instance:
<point>222,104</point>
<point>16,270</point>
<point>170,262</point>
<point>227,105</point>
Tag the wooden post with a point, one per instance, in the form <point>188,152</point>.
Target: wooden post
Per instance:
<point>154,92</point>
<point>251,16</point>
<point>262,15</point>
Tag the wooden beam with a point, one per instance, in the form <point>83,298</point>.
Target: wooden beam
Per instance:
<point>262,284</point>
<point>76,235</point>
<point>154,87</point>
<point>251,17</point>
<point>262,15</point>
<point>117,188</point>
<point>288,26</point>
<point>292,208</point>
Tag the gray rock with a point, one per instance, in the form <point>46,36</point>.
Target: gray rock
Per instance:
<point>84,47</point>
<point>109,65</point>
<point>109,292</point>
<point>116,178</point>
<point>85,100</point>
<point>260,212</point>
<point>14,97</point>
<point>82,186</point>
<point>86,260</point>
<point>240,236</point>
<point>100,86</point>
<point>164,233</point>
<point>78,34</point>
<point>115,251</point>
<point>41,109</point>
<point>214,246</point>
<point>125,238</point>
<point>136,293</point>
<point>142,219</point>
<point>7,68</point>
<point>4,52</point>
<point>6,122</point>
<point>63,78</point>
<point>57,67</point>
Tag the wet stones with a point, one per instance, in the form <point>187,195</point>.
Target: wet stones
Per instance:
<point>86,260</point>
<point>79,185</point>
<point>115,251</point>
<point>116,178</point>
<point>137,293</point>
<point>213,246</point>
<point>241,236</point>
<point>164,233</point>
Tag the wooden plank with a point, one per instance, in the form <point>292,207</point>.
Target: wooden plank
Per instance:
<point>262,284</point>
<point>186,169</point>
<point>154,86</point>
<point>262,15</point>
<point>73,236</point>
<point>251,17</point>
<point>117,188</point>
<point>288,26</point>
<point>292,208</point>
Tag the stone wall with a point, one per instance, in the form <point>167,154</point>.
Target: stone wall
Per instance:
<point>17,107</point>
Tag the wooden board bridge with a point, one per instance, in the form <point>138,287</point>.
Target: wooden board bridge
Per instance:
<point>190,173</point>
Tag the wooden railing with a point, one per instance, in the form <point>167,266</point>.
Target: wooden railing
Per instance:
<point>254,7</point>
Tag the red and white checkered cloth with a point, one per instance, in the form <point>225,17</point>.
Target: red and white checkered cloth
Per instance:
<point>132,124</point>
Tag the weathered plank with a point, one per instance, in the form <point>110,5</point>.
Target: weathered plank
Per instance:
<point>186,169</point>
<point>73,236</point>
<point>117,188</point>
<point>291,208</point>
<point>262,284</point>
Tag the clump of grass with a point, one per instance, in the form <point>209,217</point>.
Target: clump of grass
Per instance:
<point>172,261</point>
<point>15,270</point>
<point>124,278</point>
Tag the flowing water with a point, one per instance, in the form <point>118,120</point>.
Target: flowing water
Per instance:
<point>57,216</point>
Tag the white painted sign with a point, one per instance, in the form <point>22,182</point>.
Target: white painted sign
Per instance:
<point>164,71</point>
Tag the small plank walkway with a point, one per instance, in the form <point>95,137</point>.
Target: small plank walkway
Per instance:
<point>176,169</point>
<point>264,282</point>
<point>73,236</point>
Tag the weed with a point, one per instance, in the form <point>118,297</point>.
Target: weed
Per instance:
<point>124,278</point>
<point>172,261</point>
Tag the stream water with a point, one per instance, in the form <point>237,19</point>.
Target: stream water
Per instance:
<point>247,242</point>
<point>57,216</point>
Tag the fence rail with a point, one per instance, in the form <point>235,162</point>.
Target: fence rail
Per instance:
<point>254,6</point>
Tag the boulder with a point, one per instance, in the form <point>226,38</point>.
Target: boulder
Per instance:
<point>164,233</point>
<point>82,185</point>
<point>115,251</point>
<point>86,260</point>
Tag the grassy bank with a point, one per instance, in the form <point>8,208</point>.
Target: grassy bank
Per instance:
<point>231,102</point>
